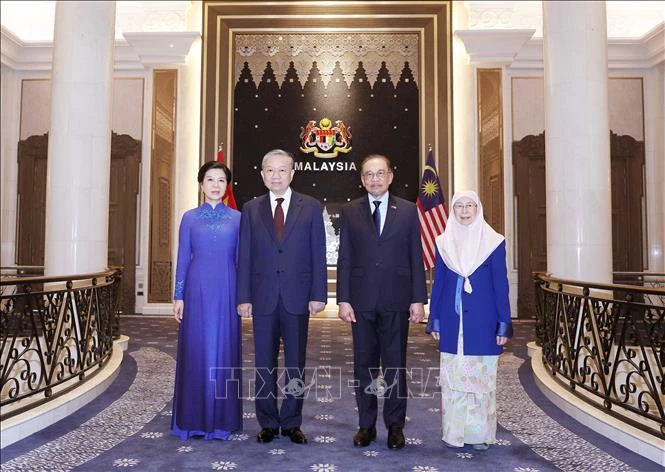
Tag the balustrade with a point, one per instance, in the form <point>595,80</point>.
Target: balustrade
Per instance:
<point>55,333</point>
<point>606,344</point>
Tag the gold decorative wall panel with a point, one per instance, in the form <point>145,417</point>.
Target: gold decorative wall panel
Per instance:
<point>161,184</point>
<point>240,35</point>
<point>490,146</point>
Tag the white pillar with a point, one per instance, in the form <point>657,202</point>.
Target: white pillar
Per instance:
<point>465,132</point>
<point>577,143</point>
<point>79,154</point>
<point>654,137</point>
<point>189,124</point>
<point>10,95</point>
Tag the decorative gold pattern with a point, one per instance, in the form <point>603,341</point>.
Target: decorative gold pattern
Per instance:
<point>160,280</point>
<point>327,50</point>
<point>429,20</point>
<point>490,137</point>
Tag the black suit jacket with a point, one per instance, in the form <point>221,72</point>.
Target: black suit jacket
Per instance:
<point>383,272</point>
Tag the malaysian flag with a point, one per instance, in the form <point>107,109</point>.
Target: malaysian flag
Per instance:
<point>432,211</point>
<point>229,199</point>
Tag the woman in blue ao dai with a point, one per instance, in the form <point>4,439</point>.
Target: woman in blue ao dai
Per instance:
<point>470,317</point>
<point>207,401</point>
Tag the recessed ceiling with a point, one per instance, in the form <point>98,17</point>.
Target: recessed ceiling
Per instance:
<point>32,21</point>
<point>630,20</point>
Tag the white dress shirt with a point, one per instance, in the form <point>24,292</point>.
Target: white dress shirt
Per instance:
<point>285,203</point>
<point>383,207</point>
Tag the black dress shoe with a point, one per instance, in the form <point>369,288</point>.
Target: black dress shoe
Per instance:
<point>395,437</point>
<point>364,436</point>
<point>295,435</point>
<point>266,435</point>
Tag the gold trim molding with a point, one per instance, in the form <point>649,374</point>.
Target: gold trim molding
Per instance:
<point>429,19</point>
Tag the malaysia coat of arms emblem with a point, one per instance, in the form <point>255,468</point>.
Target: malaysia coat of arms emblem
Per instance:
<point>325,140</point>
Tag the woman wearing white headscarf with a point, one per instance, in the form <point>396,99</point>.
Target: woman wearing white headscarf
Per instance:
<point>470,317</point>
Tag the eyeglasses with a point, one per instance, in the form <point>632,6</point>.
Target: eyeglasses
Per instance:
<point>379,175</point>
<point>282,171</point>
<point>464,206</point>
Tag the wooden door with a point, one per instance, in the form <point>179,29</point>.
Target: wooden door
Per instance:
<point>123,195</point>
<point>124,180</point>
<point>529,171</point>
<point>627,196</point>
<point>627,161</point>
<point>31,211</point>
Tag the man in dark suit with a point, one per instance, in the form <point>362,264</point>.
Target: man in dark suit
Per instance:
<point>281,281</point>
<point>380,288</point>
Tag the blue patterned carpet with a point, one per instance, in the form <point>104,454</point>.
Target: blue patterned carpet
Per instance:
<point>127,427</point>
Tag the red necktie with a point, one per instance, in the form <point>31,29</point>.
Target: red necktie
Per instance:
<point>279,219</point>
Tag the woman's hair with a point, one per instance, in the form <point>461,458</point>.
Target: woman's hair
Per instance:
<point>214,165</point>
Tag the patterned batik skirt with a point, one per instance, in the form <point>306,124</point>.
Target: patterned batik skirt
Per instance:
<point>468,397</point>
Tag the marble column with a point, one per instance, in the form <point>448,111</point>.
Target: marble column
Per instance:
<point>465,167</point>
<point>188,114</point>
<point>188,159</point>
<point>577,144</point>
<point>654,110</point>
<point>79,151</point>
<point>10,91</point>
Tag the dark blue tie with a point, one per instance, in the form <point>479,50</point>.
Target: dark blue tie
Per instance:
<point>377,216</point>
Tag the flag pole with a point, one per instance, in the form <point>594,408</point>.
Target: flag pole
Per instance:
<point>429,273</point>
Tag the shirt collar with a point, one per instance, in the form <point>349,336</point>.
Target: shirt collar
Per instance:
<point>383,199</point>
<point>286,197</point>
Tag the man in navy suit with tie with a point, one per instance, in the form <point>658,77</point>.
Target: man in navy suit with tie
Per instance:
<point>380,288</point>
<point>282,280</point>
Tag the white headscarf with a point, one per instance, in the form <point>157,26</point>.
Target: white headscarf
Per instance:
<point>465,248</point>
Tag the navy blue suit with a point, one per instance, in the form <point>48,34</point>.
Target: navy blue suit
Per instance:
<point>279,278</point>
<point>380,276</point>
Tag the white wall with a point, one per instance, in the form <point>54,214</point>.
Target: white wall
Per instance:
<point>654,110</point>
<point>127,115</point>
<point>626,111</point>
<point>528,114</point>
<point>9,117</point>
<point>35,107</point>
<point>625,106</point>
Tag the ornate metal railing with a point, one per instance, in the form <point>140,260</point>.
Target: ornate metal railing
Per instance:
<point>14,272</point>
<point>55,333</point>
<point>644,279</point>
<point>606,344</point>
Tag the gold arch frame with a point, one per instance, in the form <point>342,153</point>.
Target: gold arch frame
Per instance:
<point>430,19</point>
